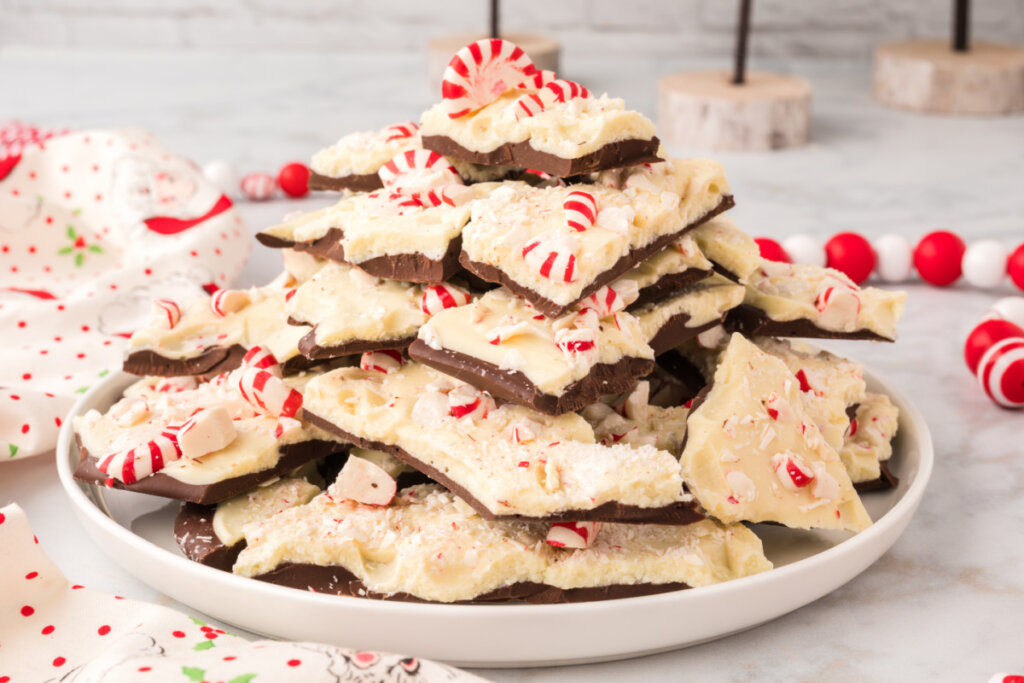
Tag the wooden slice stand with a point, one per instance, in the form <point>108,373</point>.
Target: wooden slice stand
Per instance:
<point>929,76</point>
<point>545,52</point>
<point>705,109</point>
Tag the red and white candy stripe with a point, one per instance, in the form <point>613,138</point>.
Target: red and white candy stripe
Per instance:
<point>605,302</point>
<point>552,257</point>
<point>837,304</point>
<point>1001,372</point>
<point>400,131</point>
<point>451,195</point>
<point>226,301</point>
<point>436,298</point>
<point>259,186</point>
<point>554,91</point>
<point>261,358</point>
<point>572,534</point>
<point>465,401</point>
<point>385,360</point>
<point>538,80</point>
<point>793,473</point>
<point>580,210</point>
<point>132,464</point>
<point>166,312</point>
<point>576,340</point>
<point>267,392</point>
<point>411,170</point>
<point>481,72</point>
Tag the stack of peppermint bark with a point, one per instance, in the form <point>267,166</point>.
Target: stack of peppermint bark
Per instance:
<point>522,358</point>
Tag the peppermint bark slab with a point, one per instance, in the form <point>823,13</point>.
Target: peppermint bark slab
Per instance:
<point>352,162</point>
<point>501,344</point>
<point>429,546</point>
<point>668,323</point>
<point>867,445</point>
<point>522,237</point>
<point>670,270</point>
<point>506,461</point>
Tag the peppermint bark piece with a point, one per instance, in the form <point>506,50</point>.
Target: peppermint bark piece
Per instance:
<point>531,240</point>
<point>669,322</point>
<point>262,447</point>
<point>353,312</point>
<point>503,345</point>
<point>793,300</point>
<point>205,339</point>
<point>754,454</point>
<point>672,269</point>
<point>867,446</point>
<point>733,252</point>
<point>507,461</point>
<point>212,534</point>
<point>428,545</point>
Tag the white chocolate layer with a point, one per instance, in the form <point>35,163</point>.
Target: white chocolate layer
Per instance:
<point>531,346</point>
<point>631,419</point>
<point>728,246</point>
<point>704,302</point>
<point>678,257</point>
<point>259,504</point>
<point>870,443</point>
<point>633,211</point>
<point>430,544</point>
<point>513,460</point>
<point>361,153</point>
<point>733,442</point>
<point>788,292</point>
<point>568,129</point>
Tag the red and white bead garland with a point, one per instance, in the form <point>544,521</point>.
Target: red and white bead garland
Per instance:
<point>940,258</point>
<point>292,179</point>
<point>994,352</point>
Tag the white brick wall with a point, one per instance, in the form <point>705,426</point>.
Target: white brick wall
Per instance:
<point>676,28</point>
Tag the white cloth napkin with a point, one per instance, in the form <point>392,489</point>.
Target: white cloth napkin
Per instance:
<point>51,630</point>
<point>93,226</point>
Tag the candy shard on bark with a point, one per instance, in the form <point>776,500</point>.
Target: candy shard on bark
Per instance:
<point>868,441</point>
<point>669,322</point>
<point>735,448</point>
<point>208,430</point>
<point>364,482</point>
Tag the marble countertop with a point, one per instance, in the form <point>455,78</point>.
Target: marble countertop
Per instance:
<point>945,603</point>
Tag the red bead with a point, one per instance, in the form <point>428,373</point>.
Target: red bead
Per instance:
<point>294,179</point>
<point>1001,373</point>
<point>1015,266</point>
<point>938,257</point>
<point>982,337</point>
<point>850,253</point>
<point>772,250</point>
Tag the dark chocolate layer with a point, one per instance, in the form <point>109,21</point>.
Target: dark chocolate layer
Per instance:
<point>677,514</point>
<point>886,480</point>
<point>310,349</point>
<point>675,331</point>
<point>668,285</point>
<point>522,154</point>
<point>753,322</point>
<point>406,267</point>
<point>550,308</point>
<point>367,182</point>
<point>684,370</point>
<point>193,531</point>
<point>159,484</point>
<point>212,361</point>
<point>274,242</point>
<point>340,581</point>
<point>514,386</point>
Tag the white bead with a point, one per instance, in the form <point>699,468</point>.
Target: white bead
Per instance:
<point>805,249</point>
<point>223,175</point>
<point>1010,308</point>
<point>984,264</point>
<point>895,258</point>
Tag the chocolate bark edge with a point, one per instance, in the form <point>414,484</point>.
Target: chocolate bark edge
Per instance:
<point>313,351</point>
<point>668,285</point>
<point>522,154</point>
<point>163,485</point>
<point>274,242</point>
<point>194,534</point>
<point>603,379</point>
<point>684,370</point>
<point>678,514</point>
<point>413,267</point>
<point>211,361</point>
<point>337,580</point>
<point>357,182</point>
<point>676,330</point>
<point>886,480</point>
<point>623,265</point>
<point>753,322</point>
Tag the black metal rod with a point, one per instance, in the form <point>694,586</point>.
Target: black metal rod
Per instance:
<point>739,73</point>
<point>495,19</point>
<point>961,25</point>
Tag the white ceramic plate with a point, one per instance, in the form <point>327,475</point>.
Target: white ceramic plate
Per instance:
<point>135,531</point>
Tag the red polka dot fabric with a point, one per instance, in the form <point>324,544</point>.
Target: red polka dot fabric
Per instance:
<point>93,226</point>
<point>53,630</point>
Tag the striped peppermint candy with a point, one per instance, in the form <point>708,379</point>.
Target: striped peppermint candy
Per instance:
<point>166,312</point>
<point>206,431</point>
<point>837,305</point>
<point>267,392</point>
<point>554,91</point>
<point>1001,372</point>
<point>605,302</point>
<point>580,210</point>
<point>482,72</point>
<point>572,534</point>
<point>286,427</point>
<point>452,195</point>
<point>537,80</point>
<point>793,473</point>
<point>400,131</point>
<point>262,358</point>
<point>385,360</point>
<point>227,301</point>
<point>436,298</point>
<point>418,170</point>
<point>465,401</point>
<point>553,256</point>
<point>132,464</point>
<point>173,385</point>
<point>575,340</point>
